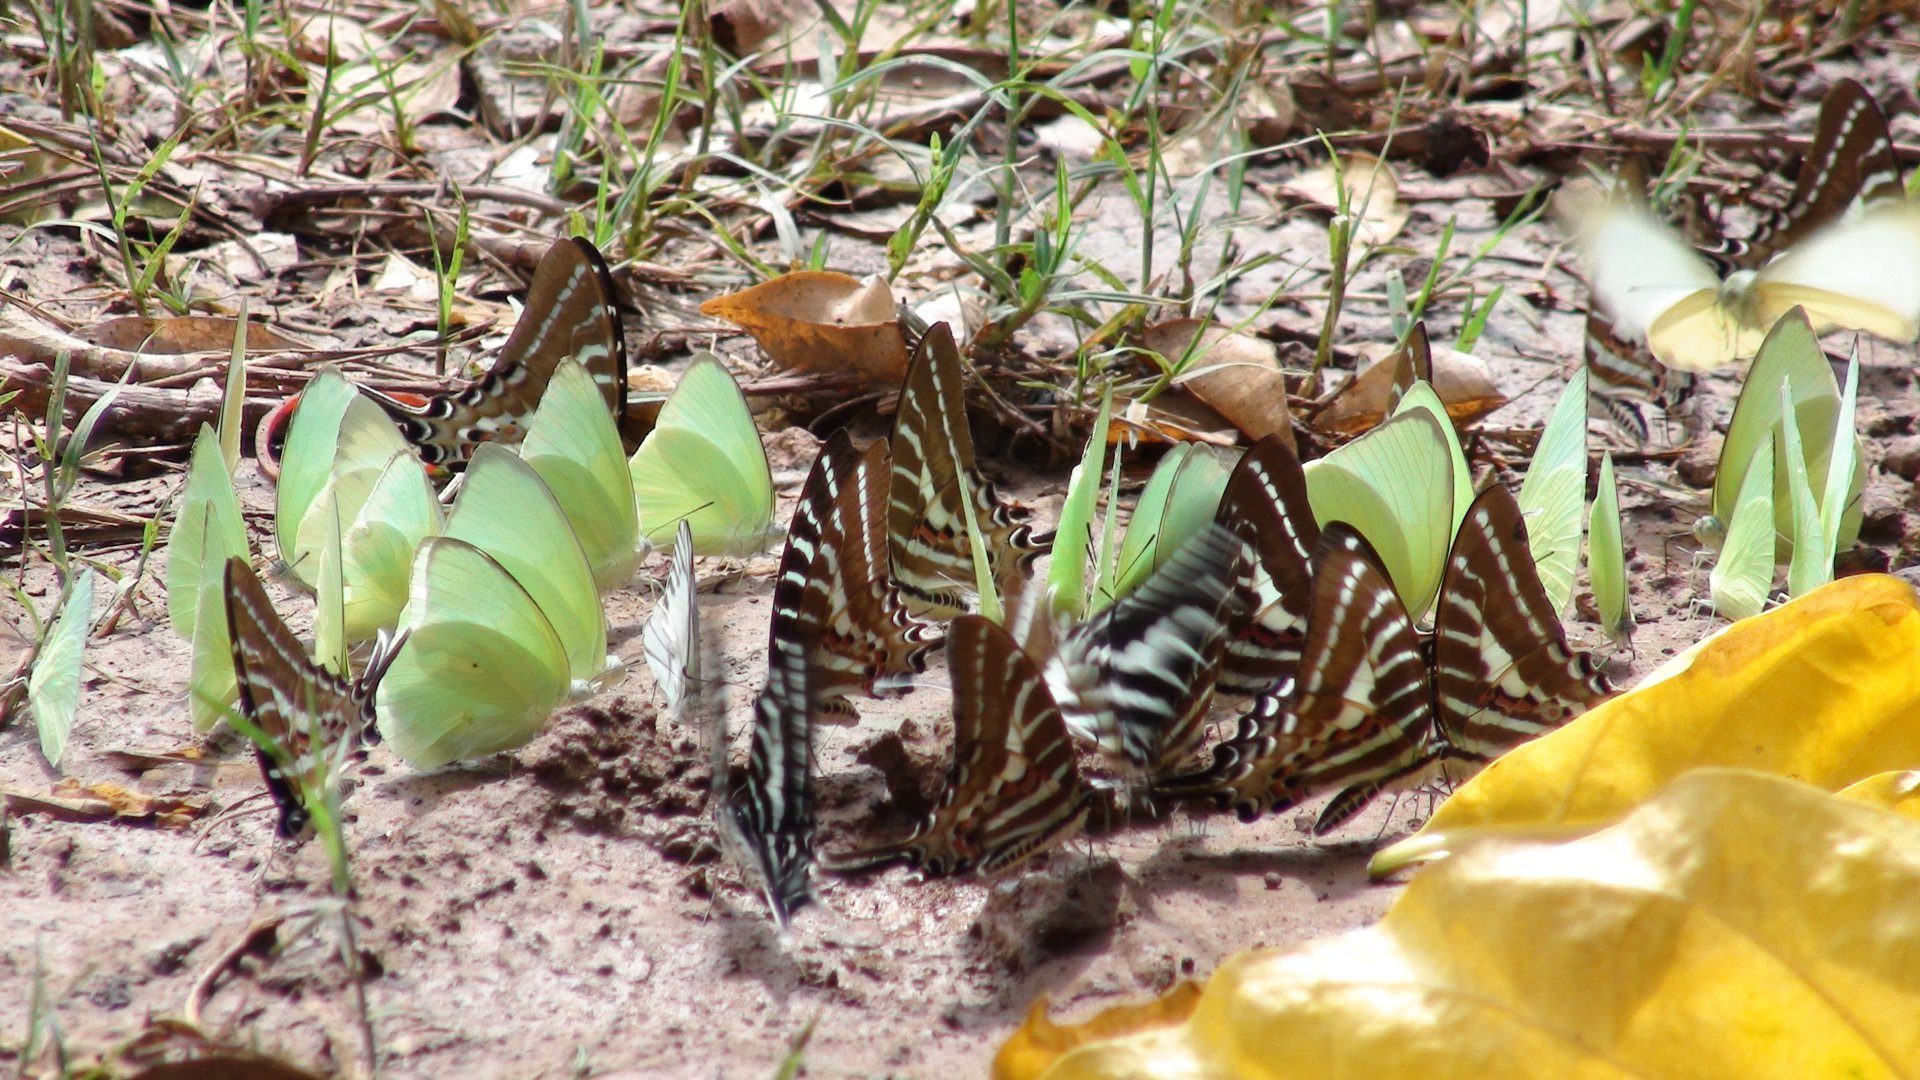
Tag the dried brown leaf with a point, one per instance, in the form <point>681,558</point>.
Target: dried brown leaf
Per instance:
<point>172,335</point>
<point>819,320</point>
<point>1462,380</point>
<point>1373,194</point>
<point>1233,374</point>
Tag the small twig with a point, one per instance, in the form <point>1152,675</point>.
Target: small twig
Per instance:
<point>259,933</point>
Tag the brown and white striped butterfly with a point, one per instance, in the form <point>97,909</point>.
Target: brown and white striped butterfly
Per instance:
<point>1137,678</point>
<point>309,715</point>
<point>1265,505</point>
<point>933,470</point>
<point>570,313</point>
<point>1372,707</point>
<point>1013,789</point>
<point>833,576</point>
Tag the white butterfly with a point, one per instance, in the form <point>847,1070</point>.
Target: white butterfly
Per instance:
<point>1860,273</point>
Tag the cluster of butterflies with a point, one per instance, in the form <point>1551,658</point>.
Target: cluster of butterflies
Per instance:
<point>1844,247</point>
<point>1407,637</point>
<point>486,613</point>
<point>1371,617</point>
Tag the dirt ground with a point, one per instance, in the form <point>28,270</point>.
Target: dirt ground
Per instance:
<point>562,910</point>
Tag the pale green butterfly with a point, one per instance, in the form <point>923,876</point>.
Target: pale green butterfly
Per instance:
<point>1395,484</point>
<point>1817,522</point>
<point>507,512</point>
<point>1179,502</point>
<point>53,687</point>
<point>1743,574</point>
<point>1073,536</point>
<point>1607,558</point>
<point>1553,490</point>
<point>574,445</point>
<point>1420,394</point>
<point>377,547</point>
<point>1790,356</point>
<point>703,461</point>
<point>481,667</point>
<point>339,440</point>
<point>330,611</point>
<point>207,530</point>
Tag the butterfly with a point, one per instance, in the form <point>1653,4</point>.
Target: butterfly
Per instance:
<point>310,716</point>
<point>933,470</point>
<point>1371,706</point>
<point>833,579</point>
<point>1551,494</point>
<point>1266,505</point>
<point>1397,485</point>
<point>671,635</point>
<point>1013,789</point>
<point>207,531</point>
<point>1136,679</point>
<point>344,461</point>
<point>1180,498</point>
<point>704,462</point>
<point>574,446</point>
<point>1607,558</point>
<point>764,815</point>
<point>503,620</point>
<point>570,314</point>
<point>1844,248</point>
<point>1850,165</point>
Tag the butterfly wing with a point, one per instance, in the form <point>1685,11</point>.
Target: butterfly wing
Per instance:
<point>1266,505</point>
<point>207,530</point>
<point>481,667</point>
<point>570,313</point>
<point>704,461</point>
<point>1743,573</point>
<point>1607,558</point>
<point>377,548</point>
<point>765,815</point>
<point>933,470</point>
<point>670,638</point>
<point>506,511</point>
<point>1137,678</point>
<point>1849,165</point>
<point>1553,490</point>
<point>1180,498</point>
<point>1013,788</point>
<point>1637,268</point>
<point>1395,486</point>
<point>1860,274</point>
<point>574,446</point>
<point>1503,671</point>
<point>304,710</point>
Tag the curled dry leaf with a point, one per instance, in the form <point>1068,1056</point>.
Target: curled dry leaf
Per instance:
<point>1234,374</point>
<point>1823,689</point>
<point>819,320</point>
<point>174,335</point>
<point>1373,194</point>
<point>1462,380</point>
<point>1737,925</point>
<point>71,800</point>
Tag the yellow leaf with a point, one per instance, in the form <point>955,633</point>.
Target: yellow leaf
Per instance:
<point>1040,1041</point>
<point>1739,925</point>
<point>1896,791</point>
<point>1823,689</point>
<point>819,320</point>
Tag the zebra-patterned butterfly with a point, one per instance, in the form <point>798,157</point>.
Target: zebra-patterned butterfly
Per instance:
<point>1013,789</point>
<point>570,313</point>
<point>309,715</point>
<point>933,470</point>
<point>1266,506</point>
<point>1372,706</point>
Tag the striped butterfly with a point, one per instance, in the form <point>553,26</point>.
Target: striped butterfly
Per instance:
<point>1013,789</point>
<point>1853,259</point>
<point>1136,679</point>
<point>670,638</point>
<point>570,313</point>
<point>933,470</point>
<point>1373,707</point>
<point>1266,506</point>
<point>764,815</point>
<point>833,578</point>
<point>308,714</point>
